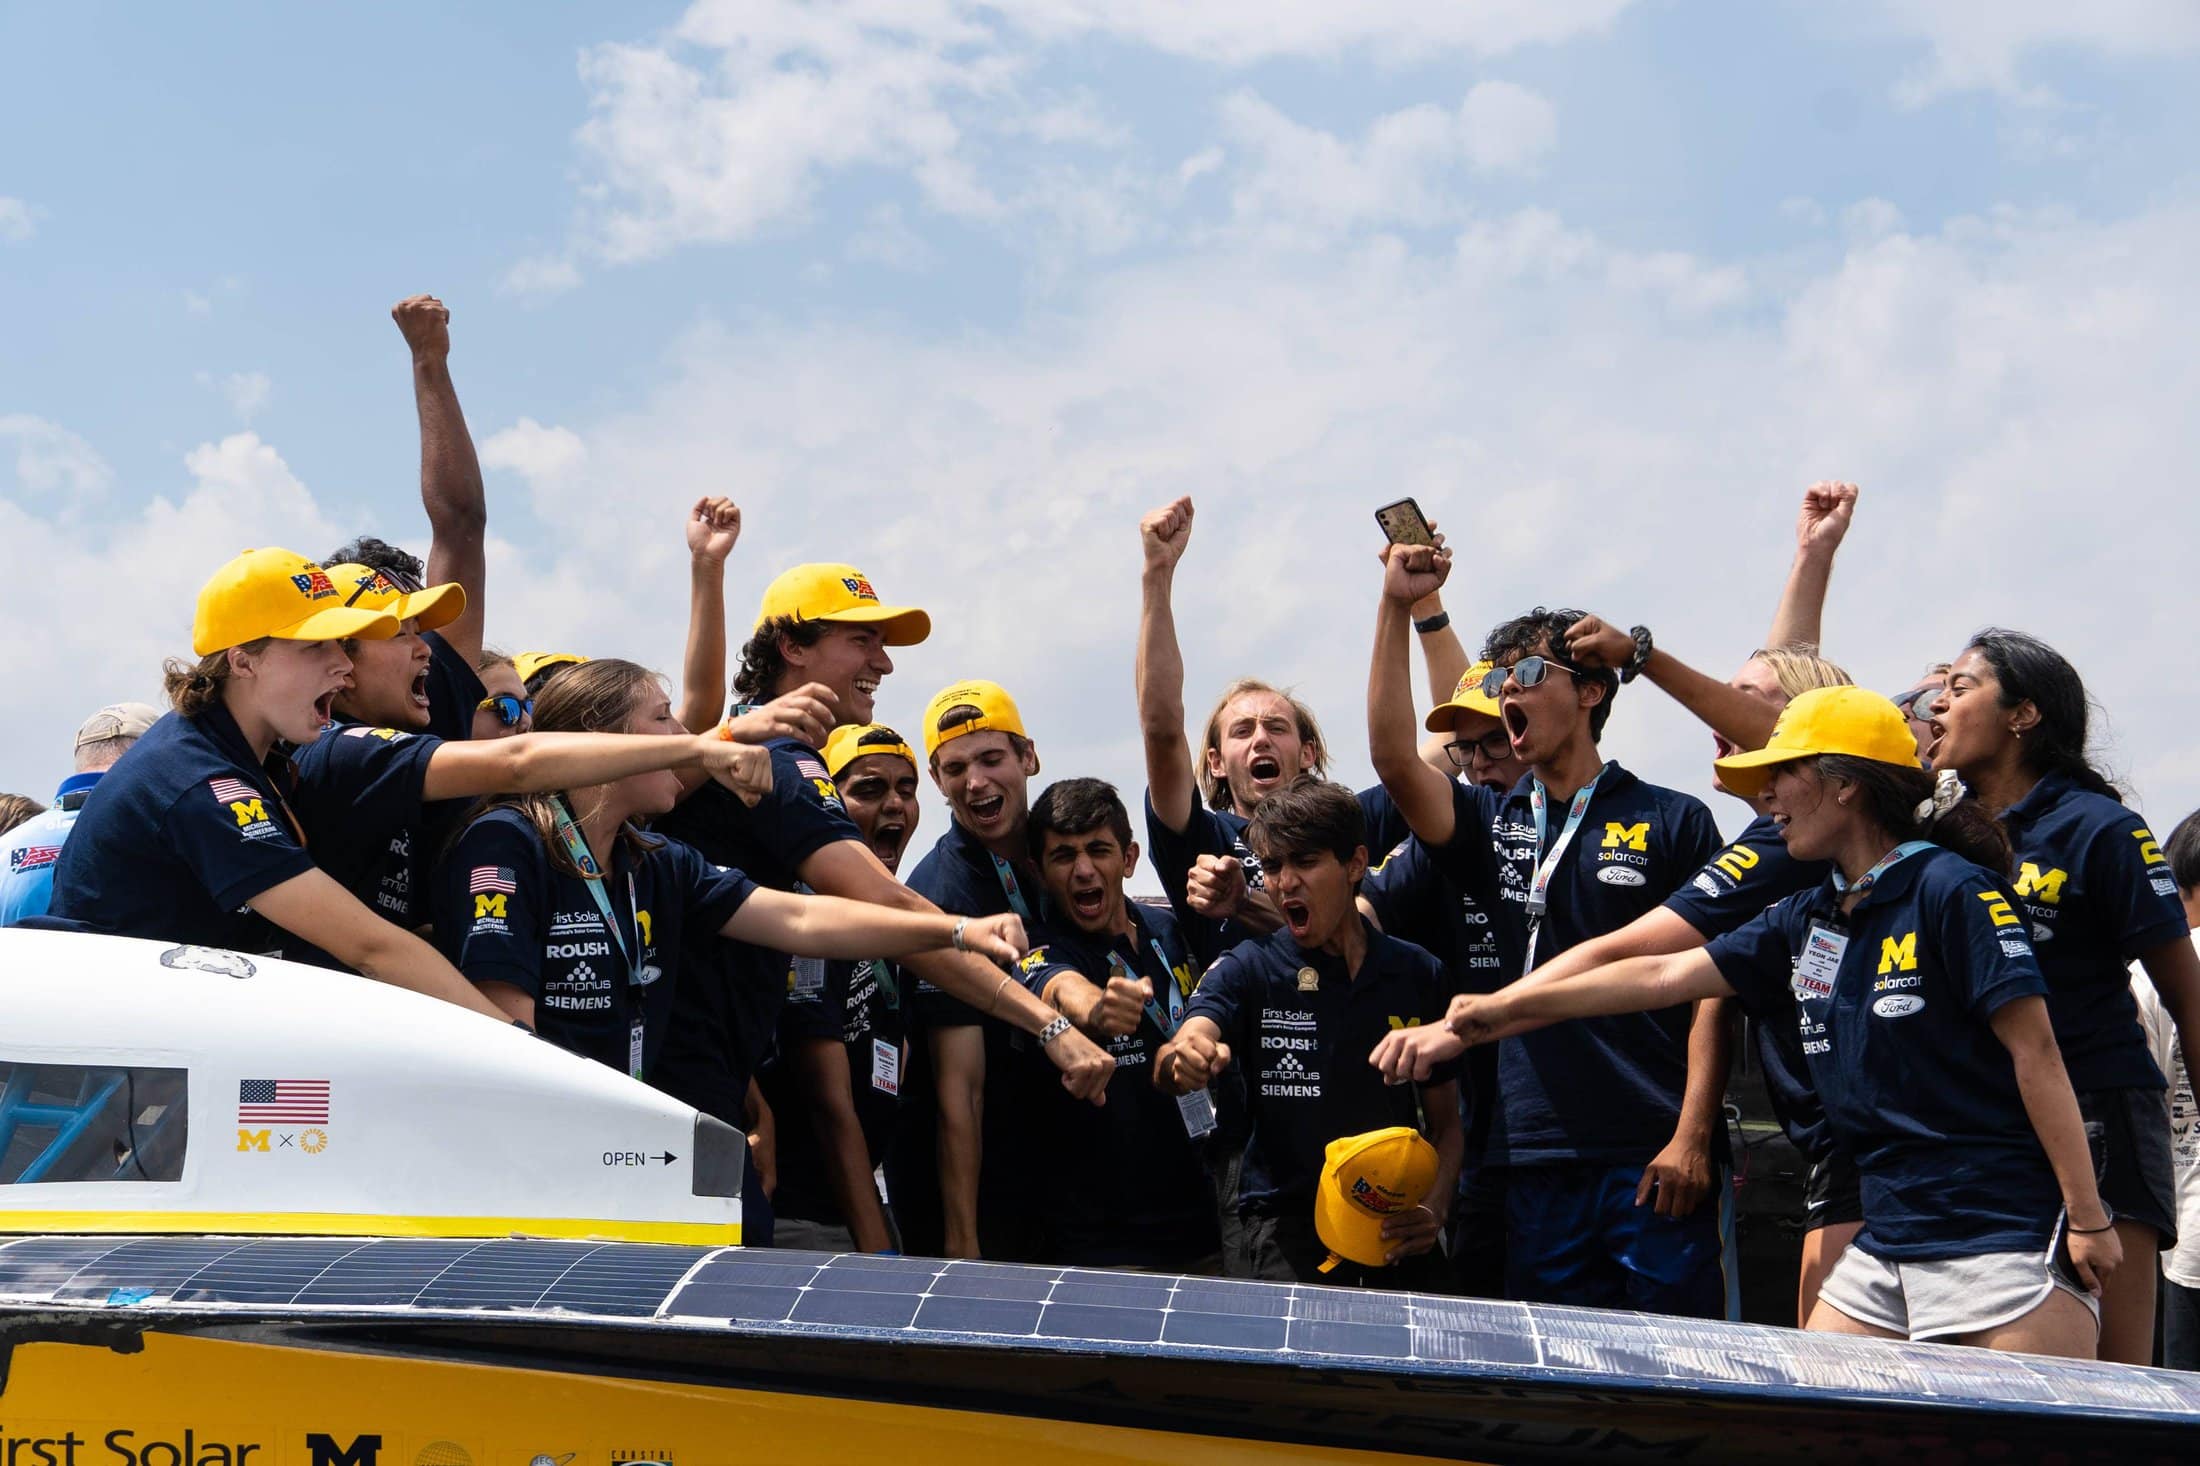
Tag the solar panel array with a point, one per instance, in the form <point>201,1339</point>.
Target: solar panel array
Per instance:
<point>920,1300</point>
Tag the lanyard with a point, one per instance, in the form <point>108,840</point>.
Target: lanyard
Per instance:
<point>1009,885</point>
<point>1539,889</point>
<point>1886,862</point>
<point>577,848</point>
<point>1166,1022</point>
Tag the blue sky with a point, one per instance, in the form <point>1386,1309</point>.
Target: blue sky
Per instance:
<point>955,290</point>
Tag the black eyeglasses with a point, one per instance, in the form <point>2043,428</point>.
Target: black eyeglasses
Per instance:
<point>1495,746</point>
<point>1528,672</point>
<point>509,709</point>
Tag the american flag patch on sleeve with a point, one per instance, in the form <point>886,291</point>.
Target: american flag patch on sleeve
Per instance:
<point>810,768</point>
<point>232,791</point>
<point>496,878</point>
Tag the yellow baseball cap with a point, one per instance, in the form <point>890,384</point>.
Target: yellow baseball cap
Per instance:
<point>842,746</point>
<point>282,594</point>
<point>437,605</point>
<point>1467,697</point>
<point>1847,720</point>
<point>1366,1180</point>
<point>840,593</point>
<point>996,713</point>
<point>527,664</point>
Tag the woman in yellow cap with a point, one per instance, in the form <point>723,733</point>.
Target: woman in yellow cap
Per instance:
<point>191,837</point>
<point>1923,1020</point>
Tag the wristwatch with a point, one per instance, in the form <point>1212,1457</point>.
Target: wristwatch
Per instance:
<point>1643,647</point>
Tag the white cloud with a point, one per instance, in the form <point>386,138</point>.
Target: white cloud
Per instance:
<point>50,457</point>
<point>543,456</point>
<point>109,646</point>
<point>1506,128</point>
<point>1402,171</point>
<point>18,220</point>
<point>247,393</point>
<point>728,126</point>
<point>540,275</point>
<point>888,240</point>
<point>196,304</point>
<point>1985,47</point>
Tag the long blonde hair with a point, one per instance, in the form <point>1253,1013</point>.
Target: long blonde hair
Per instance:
<point>1798,668</point>
<point>587,697</point>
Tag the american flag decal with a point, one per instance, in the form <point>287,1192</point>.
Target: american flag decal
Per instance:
<point>282,1101</point>
<point>810,768</point>
<point>492,878</point>
<point>233,791</point>
<point>33,857</point>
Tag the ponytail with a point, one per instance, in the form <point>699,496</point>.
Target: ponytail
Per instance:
<point>1911,804</point>
<point>196,687</point>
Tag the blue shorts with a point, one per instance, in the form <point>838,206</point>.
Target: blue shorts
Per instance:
<point>1573,1234</point>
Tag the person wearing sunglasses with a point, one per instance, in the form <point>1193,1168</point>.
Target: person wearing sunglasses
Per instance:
<point>1579,848</point>
<point>506,706</point>
<point>1917,707</point>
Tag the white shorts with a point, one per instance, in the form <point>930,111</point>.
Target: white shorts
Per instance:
<point>1949,1297</point>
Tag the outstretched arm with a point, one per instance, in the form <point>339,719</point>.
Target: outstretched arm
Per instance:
<point>450,474</point>
<point>1734,715</point>
<point>1411,1053</point>
<point>1631,985</point>
<point>313,906</point>
<point>836,928</point>
<point>1163,535</point>
<point>1827,507</point>
<point>1422,795</point>
<point>543,762</point>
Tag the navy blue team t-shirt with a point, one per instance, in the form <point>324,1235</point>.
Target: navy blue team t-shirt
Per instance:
<point>724,1017</point>
<point>1600,1091</point>
<point>958,875</point>
<point>359,796</point>
<point>1173,853</point>
<point>1915,1084</point>
<point>180,835</point>
<point>2098,892</point>
<point>1733,888</point>
<point>1121,1184</point>
<point>505,913</point>
<point>1303,1045</point>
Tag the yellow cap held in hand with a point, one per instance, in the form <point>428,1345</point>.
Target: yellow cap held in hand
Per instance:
<point>434,606</point>
<point>1366,1180</point>
<point>280,594</point>
<point>996,713</point>
<point>1467,697</point>
<point>1845,720</point>
<point>841,594</point>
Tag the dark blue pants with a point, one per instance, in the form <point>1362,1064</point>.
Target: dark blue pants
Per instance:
<point>2180,1326</point>
<point>1573,1234</point>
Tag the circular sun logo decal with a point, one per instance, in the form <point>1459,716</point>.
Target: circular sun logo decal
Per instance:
<point>313,1142</point>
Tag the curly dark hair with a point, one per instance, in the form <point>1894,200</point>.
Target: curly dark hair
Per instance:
<point>1542,633</point>
<point>406,571</point>
<point>762,663</point>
